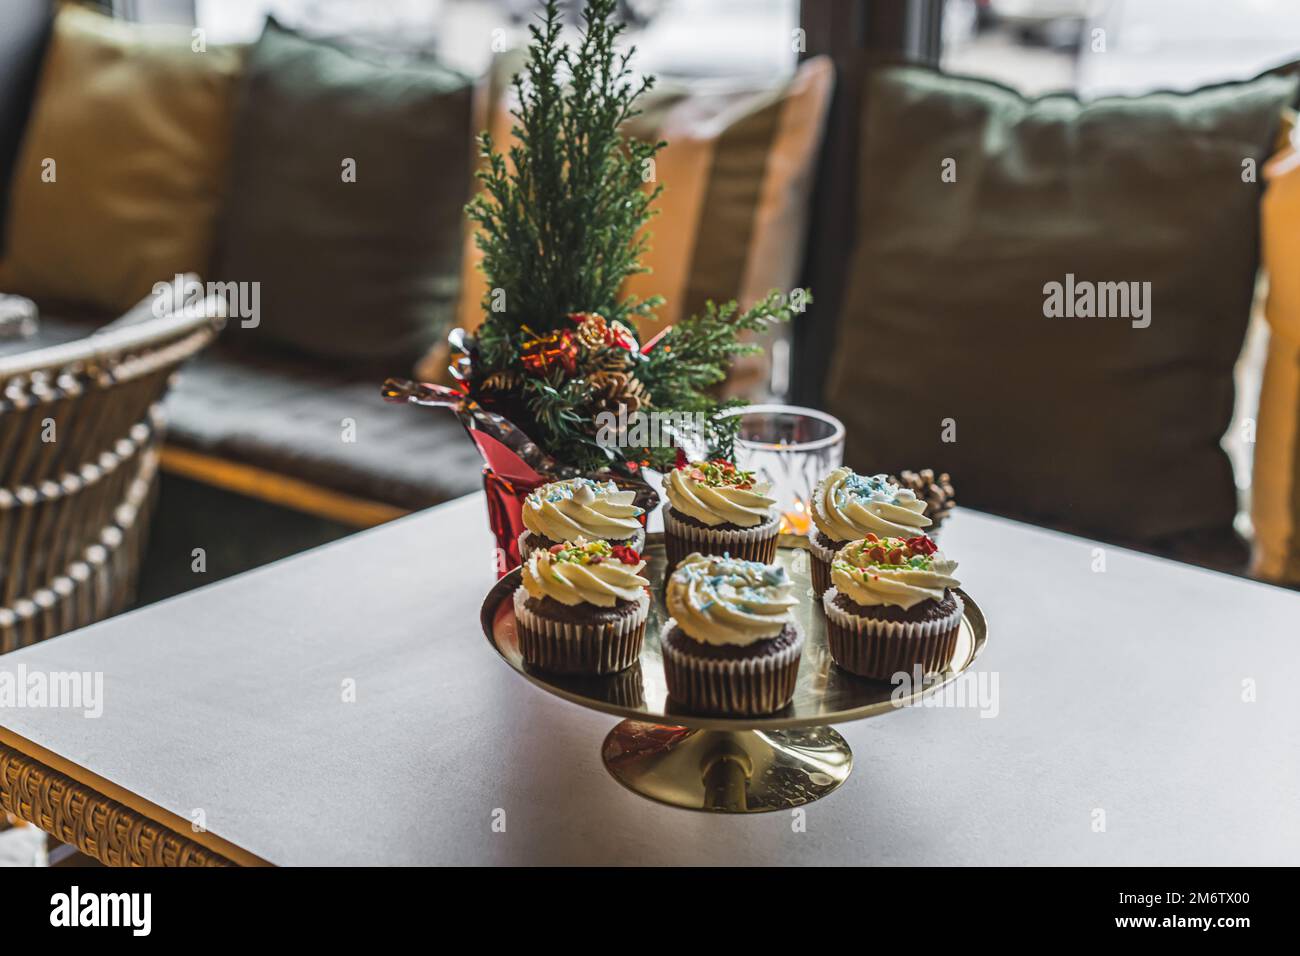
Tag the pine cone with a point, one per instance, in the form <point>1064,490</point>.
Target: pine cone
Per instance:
<point>591,329</point>
<point>610,389</point>
<point>502,382</point>
<point>937,493</point>
<point>610,360</point>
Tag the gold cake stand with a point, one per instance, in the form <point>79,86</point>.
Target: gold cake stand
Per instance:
<point>730,764</point>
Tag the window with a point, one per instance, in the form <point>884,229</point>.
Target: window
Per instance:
<point>1103,47</point>
<point>675,37</point>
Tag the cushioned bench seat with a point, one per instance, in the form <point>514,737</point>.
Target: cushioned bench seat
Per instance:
<point>320,426</point>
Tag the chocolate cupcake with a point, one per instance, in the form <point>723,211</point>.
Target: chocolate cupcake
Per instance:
<point>848,507</point>
<point>715,508</point>
<point>580,507</point>
<point>891,608</point>
<point>731,646</point>
<point>582,608</point>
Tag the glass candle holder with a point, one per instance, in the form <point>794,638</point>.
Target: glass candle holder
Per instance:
<point>793,448</point>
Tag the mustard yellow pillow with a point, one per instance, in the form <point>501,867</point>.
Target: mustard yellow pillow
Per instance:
<point>1275,486</point>
<point>119,174</point>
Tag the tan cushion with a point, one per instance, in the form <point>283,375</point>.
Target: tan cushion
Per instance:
<point>137,125</point>
<point>1275,489</point>
<point>737,172</point>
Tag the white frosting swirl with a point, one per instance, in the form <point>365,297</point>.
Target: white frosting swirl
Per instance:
<point>716,504</point>
<point>846,507</point>
<point>729,601</point>
<point>871,583</point>
<point>600,578</point>
<point>562,510</point>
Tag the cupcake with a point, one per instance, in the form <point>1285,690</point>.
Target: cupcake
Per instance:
<point>731,646</point>
<point>580,507</point>
<point>891,607</point>
<point>848,507</point>
<point>582,608</point>
<point>715,508</point>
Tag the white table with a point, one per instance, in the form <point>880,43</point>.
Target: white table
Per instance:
<point>1118,691</point>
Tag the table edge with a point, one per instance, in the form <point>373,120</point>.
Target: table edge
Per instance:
<point>100,818</point>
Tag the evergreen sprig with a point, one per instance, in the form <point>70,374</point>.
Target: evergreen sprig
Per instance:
<point>695,353</point>
<point>560,224</point>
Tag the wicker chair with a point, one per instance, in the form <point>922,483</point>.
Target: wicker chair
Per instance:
<point>80,429</point>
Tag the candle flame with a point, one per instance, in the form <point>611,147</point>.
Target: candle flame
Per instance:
<point>796,520</point>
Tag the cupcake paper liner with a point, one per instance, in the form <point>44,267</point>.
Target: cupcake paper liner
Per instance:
<point>567,647</point>
<point>525,548</point>
<point>627,687</point>
<point>623,689</point>
<point>750,544</point>
<point>819,564</point>
<point>881,649</point>
<point>753,685</point>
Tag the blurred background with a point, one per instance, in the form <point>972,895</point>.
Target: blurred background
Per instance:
<point>808,143</point>
<point>1035,46</point>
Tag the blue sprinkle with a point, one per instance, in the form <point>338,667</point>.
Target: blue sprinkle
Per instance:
<point>774,575</point>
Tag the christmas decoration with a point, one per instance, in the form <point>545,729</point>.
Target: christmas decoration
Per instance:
<point>595,333</point>
<point>561,220</point>
<point>611,389</point>
<point>502,382</point>
<point>542,353</point>
<point>937,493</point>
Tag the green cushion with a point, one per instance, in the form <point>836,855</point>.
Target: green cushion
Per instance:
<point>1090,424</point>
<point>364,270</point>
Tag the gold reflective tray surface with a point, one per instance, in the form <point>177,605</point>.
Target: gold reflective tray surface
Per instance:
<point>730,764</point>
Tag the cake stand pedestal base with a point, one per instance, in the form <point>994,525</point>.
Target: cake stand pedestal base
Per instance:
<point>727,771</point>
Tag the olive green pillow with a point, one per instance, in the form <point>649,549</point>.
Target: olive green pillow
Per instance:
<point>980,213</point>
<point>121,167</point>
<point>348,180</point>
